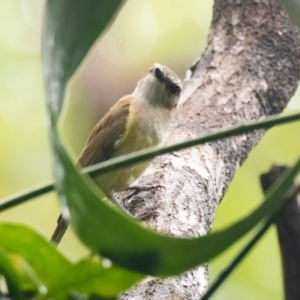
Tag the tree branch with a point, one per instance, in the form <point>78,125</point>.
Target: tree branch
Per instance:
<point>249,69</point>
<point>288,230</point>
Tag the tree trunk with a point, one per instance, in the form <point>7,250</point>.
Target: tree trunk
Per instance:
<point>249,69</point>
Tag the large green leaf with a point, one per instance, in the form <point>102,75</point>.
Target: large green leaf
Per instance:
<point>54,276</point>
<point>71,27</point>
<point>48,264</point>
<point>116,236</point>
<point>100,225</point>
<point>10,275</point>
<point>92,277</point>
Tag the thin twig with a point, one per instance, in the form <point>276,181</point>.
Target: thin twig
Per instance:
<point>235,262</point>
<point>149,153</point>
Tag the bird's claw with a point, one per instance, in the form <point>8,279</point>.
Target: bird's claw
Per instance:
<point>137,189</point>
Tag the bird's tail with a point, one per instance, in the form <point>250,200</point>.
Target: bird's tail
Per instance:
<point>60,230</point>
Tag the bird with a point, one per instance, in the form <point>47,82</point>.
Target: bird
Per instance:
<point>137,121</point>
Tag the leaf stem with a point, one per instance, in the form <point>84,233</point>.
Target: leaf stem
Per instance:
<point>152,152</point>
<point>26,195</point>
<point>149,153</point>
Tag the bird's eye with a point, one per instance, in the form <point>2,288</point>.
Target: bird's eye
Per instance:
<point>174,89</point>
<point>159,74</point>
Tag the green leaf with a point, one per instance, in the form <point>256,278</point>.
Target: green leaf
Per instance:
<point>91,277</point>
<point>92,297</point>
<point>11,277</point>
<point>55,276</point>
<point>28,280</point>
<point>71,28</point>
<point>119,238</point>
<point>100,225</point>
<point>47,263</point>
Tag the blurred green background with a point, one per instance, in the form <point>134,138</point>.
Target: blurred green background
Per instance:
<point>171,32</point>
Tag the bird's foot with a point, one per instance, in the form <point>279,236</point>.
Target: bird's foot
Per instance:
<point>137,189</point>
<point>148,215</point>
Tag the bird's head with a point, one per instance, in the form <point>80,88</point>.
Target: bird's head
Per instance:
<point>161,87</point>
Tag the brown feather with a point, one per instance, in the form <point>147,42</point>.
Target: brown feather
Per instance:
<point>101,143</point>
<point>100,147</point>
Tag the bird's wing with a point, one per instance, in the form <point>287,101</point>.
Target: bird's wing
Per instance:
<point>101,143</point>
<point>100,146</point>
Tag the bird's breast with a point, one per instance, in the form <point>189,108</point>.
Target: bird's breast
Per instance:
<point>146,127</point>
<point>147,124</point>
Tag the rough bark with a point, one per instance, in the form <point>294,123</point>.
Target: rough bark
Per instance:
<point>249,69</point>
